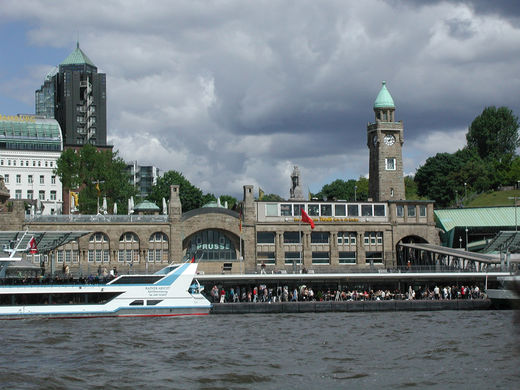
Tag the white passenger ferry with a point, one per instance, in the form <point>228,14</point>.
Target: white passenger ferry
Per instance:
<point>169,292</point>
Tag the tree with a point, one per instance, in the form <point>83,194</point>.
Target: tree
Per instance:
<point>190,196</point>
<point>436,178</point>
<point>82,170</point>
<point>338,189</point>
<point>272,198</point>
<point>410,188</point>
<point>494,133</point>
<point>208,198</point>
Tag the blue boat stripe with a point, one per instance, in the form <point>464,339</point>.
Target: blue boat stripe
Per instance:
<point>167,281</point>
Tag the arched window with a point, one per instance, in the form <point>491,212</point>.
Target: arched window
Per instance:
<point>128,248</point>
<point>98,248</point>
<point>158,248</point>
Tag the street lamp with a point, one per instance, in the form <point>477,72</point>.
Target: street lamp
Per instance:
<point>97,183</point>
<point>460,242</point>
<point>466,238</point>
<point>465,192</point>
<point>515,198</point>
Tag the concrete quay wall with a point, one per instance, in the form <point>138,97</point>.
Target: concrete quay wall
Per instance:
<point>349,306</point>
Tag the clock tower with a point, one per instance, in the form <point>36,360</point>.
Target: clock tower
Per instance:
<point>385,142</point>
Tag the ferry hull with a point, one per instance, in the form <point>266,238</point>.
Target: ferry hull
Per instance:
<point>123,312</point>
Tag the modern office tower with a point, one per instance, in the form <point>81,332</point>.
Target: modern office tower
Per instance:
<point>75,95</point>
<point>142,177</point>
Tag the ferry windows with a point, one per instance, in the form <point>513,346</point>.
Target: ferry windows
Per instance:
<point>353,210</point>
<point>411,210</point>
<point>292,258</point>
<point>422,211</point>
<point>347,257</point>
<point>137,302</point>
<point>291,237</point>
<point>286,210</point>
<point>326,210</point>
<point>366,210</point>
<point>320,258</point>
<point>319,237</point>
<point>379,210</point>
<point>265,237</point>
<point>271,210</point>
<point>340,210</point>
<point>314,210</point>
<point>400,210</point>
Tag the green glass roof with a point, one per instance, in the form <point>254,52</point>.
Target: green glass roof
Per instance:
<point>384,99</point>
<point>77,57</point>
<point>30,130</point>
<point>476,217</point>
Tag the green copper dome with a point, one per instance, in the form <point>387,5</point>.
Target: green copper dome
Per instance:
<point>77,57</point>
<point>384,99</point>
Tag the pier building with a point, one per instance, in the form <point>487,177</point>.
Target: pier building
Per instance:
<point>260,236</point>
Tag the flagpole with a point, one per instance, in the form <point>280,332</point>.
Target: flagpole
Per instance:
<point>300,237</point>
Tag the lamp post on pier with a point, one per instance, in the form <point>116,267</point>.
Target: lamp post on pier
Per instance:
<point>515,198</point>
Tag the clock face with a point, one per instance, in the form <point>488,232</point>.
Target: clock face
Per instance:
<point>374,140</point>
<point>389,139</point>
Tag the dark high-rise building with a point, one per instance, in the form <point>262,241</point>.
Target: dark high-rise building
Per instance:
<point>75,95</point>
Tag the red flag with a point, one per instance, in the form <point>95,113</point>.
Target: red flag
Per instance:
<point>193,259</point>
<point>307,219</point>
<point>31,246</point>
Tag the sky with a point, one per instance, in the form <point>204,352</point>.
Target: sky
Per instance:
<point>234,93</point>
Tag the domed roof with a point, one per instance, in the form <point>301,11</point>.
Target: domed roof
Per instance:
<point>384,99</point>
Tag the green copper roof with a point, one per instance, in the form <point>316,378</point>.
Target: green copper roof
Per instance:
<point>77,57</point>
<point>476,217</point>
<point>384,99</point>
<point>146,205</point>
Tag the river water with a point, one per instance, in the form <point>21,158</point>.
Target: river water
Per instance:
<point>392,350</point>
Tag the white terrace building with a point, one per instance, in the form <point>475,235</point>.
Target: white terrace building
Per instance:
<point>29,149</point>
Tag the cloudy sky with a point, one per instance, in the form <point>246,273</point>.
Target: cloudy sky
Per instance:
<point>238,92</point>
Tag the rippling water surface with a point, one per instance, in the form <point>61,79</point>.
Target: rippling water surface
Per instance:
<point>446,349</point>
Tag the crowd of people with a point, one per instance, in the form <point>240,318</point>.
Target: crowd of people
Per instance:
<point>263,293</point>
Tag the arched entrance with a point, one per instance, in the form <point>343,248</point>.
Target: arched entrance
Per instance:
<point>211,245</point>
<point>410,259</point>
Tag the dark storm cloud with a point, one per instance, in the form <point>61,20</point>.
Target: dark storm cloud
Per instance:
<point>233,93</point>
